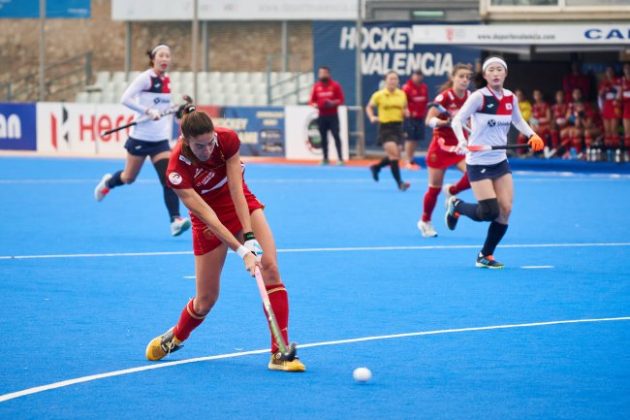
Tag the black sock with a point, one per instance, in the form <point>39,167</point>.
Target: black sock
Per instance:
<point>170,198</point>
<point>496,231</point>
<point>383,163</point>
<point>115,180</point>
<point>393,164</point>
<point>467,209</point>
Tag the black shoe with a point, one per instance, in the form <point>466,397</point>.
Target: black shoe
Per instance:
<point>375,170</point>
<point>451,217</point>
<point>488,261</point>
<point>404,186</point>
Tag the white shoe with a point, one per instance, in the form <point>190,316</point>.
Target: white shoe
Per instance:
<point>102,189</point>
<point>447,193</point>
<point>426,229</point>
<point>179,226</point>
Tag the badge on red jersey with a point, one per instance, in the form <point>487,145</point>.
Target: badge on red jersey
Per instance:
<point>175,178</point>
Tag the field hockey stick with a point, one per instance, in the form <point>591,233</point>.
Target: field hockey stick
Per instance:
<point>478,147</point>
<point>287,351</point>
<point>144,118</point>
<point>443,110</point>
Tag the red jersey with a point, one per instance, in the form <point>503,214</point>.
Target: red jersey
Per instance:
<point>449,100</point>
<point>417,98</point>
<point>327,97</point>
<point>207,178</point>
<point>576,81</point>
<point>559,113</point>
<point>608,96</point>
<point>624,96</point>
<point>539,113</point>
<point>578,112</point>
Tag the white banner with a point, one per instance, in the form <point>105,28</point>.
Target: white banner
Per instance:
<point>75,129</point>
<point>148,10</point>
<point>533,34</point>
<point>302,136</point>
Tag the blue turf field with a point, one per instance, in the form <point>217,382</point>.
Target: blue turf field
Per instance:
<point>355,266</point>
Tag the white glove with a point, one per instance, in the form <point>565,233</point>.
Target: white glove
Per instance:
<point>252,244</point>
<point>462,148</point>
<point>154,114</point>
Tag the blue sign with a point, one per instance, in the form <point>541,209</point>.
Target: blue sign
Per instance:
<point>18,129</point>
<point>260,129</point>
<point>386,46</point>
<point>29,9</point>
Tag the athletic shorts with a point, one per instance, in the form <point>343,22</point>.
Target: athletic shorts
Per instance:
<point>438,158</point>
<point>390,132</point>
<point>204,240</point>
<point>414,129</point>
<point>610,111</point>
<point>626,112</point>
<point>144,148</point>
<point>481,172</point>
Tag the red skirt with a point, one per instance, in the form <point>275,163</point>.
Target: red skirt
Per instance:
<point>441,159</point>
<point>221,202</point>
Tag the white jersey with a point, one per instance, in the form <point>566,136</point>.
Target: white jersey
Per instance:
<point>149,90</point>
<point>491,117</point>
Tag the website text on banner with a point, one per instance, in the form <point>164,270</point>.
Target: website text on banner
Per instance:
<point>608,34</point>
<point>386,46</point>
<point>17,126</point>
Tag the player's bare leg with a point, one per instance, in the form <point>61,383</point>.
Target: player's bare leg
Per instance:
<point>208,269</point>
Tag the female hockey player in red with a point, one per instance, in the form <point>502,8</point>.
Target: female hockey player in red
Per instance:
<point>452,96</point>
<point>206,173</point>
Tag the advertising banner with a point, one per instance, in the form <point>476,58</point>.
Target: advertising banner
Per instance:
<point>17,126</point>
<point>539,34</point>
<point>260,129</point>
<point>29,9</point>
<point>303,139</point>
<point>222,10</point>
<point>75,129</point>
<point>386,46</point>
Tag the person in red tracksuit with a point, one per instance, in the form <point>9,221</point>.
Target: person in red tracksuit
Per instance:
<point>560,127</point>
<point>608,96</point>
<point>540,119</point>
<point>417,99</point>
<point>624,99</point>
<point>326,96</point>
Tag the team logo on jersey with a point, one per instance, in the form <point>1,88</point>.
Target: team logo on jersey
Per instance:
<point>508,106</point>
<point>175,178</point>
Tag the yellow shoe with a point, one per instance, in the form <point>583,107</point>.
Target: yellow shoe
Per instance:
<point>162,345</point>
<point>276,363</point>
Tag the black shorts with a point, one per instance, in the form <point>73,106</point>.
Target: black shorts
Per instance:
<point>480,172</point>
<point>390,132</point>
<point>146,148</point>
<point>414,129</point>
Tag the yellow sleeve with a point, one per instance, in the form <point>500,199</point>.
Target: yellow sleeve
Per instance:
<point>375,98</point>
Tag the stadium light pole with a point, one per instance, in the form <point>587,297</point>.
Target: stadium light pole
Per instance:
<point>358,81</point>
<point>42,50</point>
<point>195,41</point>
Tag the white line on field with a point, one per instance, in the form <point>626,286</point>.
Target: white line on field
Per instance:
<point>536,267</point>
<point>333,249</point>
<point>90,378</point>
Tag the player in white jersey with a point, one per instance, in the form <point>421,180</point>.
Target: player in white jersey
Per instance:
<point>149,95</point>
<point>493,110</point>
